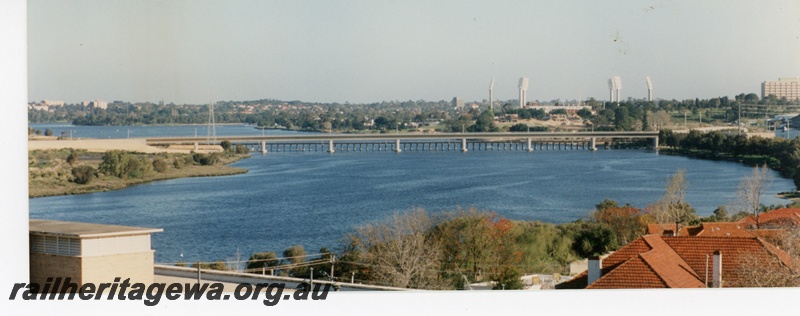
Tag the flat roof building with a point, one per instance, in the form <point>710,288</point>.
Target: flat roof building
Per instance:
<point>788,88</point>
<point>89,253</point>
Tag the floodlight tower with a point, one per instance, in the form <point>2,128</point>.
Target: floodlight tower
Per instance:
<point>618,87</point>
<point>491,87</point>
<point>611,89</point>
<point>523,91</point>
<point>649,88</point>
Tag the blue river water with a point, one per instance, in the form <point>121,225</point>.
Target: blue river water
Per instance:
<point>315,199</point>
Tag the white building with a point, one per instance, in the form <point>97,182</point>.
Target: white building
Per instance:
<point>783,87</point>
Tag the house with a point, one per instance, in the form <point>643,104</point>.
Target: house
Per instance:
<point>653,261</point>
<point>705,229</point>
<point>780,218</point>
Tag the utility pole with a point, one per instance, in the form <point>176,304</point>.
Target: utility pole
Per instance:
<point>739,121</point>
<point>333,260</point>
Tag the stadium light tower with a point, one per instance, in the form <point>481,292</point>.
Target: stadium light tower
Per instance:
<point>523,91</point>
<point>491,87</point>
<point>649,88</point>
<point>618,87</point>
<point>611,90</point>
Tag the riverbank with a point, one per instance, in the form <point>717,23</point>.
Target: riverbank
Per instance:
<point>50,173</point>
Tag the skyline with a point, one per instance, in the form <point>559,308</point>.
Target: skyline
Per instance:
<point>364,52</point>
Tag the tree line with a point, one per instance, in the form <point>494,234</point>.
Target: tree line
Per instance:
<point>780,154</point>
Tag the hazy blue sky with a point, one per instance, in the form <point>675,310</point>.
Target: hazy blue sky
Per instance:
<point>367,51</point>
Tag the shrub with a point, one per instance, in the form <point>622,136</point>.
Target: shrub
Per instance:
<point>178,163</point>
<point>242,150</point>
<point>262,260</point>
<point>72,158</point>
<point>159,165</point>
<point>83,174</point>
<point>226,145</point>
<point>123,164</point>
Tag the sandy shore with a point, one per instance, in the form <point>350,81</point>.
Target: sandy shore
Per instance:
<point>103,145</point>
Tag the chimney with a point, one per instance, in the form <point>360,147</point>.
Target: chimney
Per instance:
<point>595,269</point>
<point>716,270</point>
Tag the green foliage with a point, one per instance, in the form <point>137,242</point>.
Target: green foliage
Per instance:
<point>205,159</point>
<point>218,265</point>
<point>226,145</point>
<point>72,158</point>
<point>296,255</point>
<point>484,123</point>
<point>521,127</point>
<point>591,238</point>
<point>48,132</point>
<point>178,162</point>
<point>160,165</point>
<point>124,164</point>
<point>83,174</point>
<point>242,150</point>
<point>260,260</point>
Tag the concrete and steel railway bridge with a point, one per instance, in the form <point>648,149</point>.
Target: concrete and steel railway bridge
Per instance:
<point>527,141</point>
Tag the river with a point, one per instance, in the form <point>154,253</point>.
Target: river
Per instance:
<point>315,198</point>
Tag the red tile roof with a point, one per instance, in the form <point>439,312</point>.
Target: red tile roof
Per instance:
<point>708,229</point>
<point>785,217</point>
<point>723,229</point>
<point>678,262</point>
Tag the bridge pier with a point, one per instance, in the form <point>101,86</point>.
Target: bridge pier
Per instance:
<point>263,147</point>
<point>655,143</point>
<point>592,144</point>
<point>397,145</point>
<point>330,146</point>
<point>196,146</point>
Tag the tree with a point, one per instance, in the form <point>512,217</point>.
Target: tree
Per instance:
<point>261,260</point>
<point>673,208</point>
<point>520,127</point>
<point>159,165</point>
<point>751,189</point>
<point>484,123</point>
<point>72,158</point>
<point>400,251</point>
<point>48,132</point>
<point>626,222</point>
<point>226,145</point>
<point>296,255</point>
<point>83,174</point>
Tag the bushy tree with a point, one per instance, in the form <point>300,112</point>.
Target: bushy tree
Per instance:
<point>626,222</point>
<point>226,145</point>
<point>266,260</point>
<point>296,255</point>
<point>123,164</point>
<point>83,174</point>
<point>159,165</point>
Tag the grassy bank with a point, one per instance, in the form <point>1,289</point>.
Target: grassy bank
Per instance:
<point>50,172</point>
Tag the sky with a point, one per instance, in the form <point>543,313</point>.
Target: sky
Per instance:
<point>370,51</point>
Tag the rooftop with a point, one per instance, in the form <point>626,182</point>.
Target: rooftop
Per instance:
<point>654,261</point>
<point>85,230</point>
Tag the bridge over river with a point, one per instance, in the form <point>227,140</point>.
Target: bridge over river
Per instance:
<point>528,141</point>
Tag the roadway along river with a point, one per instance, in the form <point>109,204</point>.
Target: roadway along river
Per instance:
<point>314,199</point>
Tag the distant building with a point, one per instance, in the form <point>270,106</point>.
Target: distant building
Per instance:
<point>788,88</point>
<point>53,102</point>
<point>96,104</point>
<point>458,103</point>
